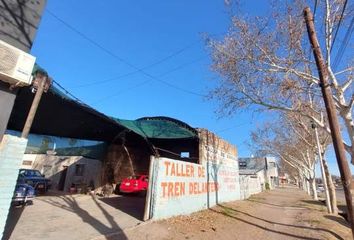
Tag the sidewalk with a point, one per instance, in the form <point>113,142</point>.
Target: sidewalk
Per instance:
<point>72,217</point>
<point>283,213</point>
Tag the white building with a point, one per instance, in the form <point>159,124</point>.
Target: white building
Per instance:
<point>263,169</point>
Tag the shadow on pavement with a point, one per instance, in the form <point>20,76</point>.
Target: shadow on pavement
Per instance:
<point>275,205</point>
<point>15,213</point>
<point>72,205</point>
<point>130,204</point>
<point>314,202</point>
<point>338,220</point>
<point>229,212</point>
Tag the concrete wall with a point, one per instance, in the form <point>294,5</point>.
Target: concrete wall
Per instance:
<point>11,152</point>
<point>179,187</point>
<point>52,166</point>
<point>213,148</point>
<point>250,184</point>
<point>272,172</point>
<point>19,21</point>
<point>7,100</point>
<point>261,176</point>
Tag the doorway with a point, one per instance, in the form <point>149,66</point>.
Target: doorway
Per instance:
<point>62,179</point>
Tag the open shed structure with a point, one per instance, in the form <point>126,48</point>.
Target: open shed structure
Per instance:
<point>193,168</point>
<point>130,142</point>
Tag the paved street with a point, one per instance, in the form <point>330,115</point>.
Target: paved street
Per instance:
<point>74,217</point>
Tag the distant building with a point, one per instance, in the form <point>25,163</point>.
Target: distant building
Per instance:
<point>264,168</point>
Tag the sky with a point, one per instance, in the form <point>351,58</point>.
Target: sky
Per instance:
<point>131,59</point>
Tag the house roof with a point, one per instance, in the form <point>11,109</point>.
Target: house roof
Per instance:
<point>255,164</point>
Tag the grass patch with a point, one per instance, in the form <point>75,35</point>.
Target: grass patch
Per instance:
<point>312,221</point>
<point>227,211</point>
<point>255,198</point>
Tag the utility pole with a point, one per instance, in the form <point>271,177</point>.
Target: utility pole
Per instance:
<point>332,115</point>
<point>325,185</point>
<point>42,82</point>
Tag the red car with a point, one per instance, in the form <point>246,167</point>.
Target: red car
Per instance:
<point>134,184</point>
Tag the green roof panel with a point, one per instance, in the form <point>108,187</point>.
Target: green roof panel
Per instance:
<point>158,127</point>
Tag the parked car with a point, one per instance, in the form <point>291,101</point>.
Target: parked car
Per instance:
<point>320,188</point>
<point>134,184</point>
<point>23,194</point>
<point>35,179</point>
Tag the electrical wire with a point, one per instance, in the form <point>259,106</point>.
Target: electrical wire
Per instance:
<point>99,46</point>
<point>314,10</point>
<point>314,15</point>
<point>339,23</point>
<point>74,98</point>
<point>147,81</point>
<point>344,45</point>
<point>143,68</point>
<point>229,128</point>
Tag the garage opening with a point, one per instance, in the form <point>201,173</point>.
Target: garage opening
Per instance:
<point>126,166</point>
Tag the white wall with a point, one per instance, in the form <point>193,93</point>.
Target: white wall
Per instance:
<point>250,184</point>
<point>11,151</point>
<point>52,166</point>
<point>179,187</point>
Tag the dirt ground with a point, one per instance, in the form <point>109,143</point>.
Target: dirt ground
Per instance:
<point>283,213</point>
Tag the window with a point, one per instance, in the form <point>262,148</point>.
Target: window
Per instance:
<point>30,173</point>
<point>79,169</point>
<point>242,165</point>
<point>184,154</point>
<point>272,164</point>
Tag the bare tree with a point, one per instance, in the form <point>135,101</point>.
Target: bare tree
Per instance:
<point>278,139</point>
<point>265,64</point>
<point>291,138</point>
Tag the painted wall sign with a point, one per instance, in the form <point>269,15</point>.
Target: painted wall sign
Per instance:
<point>181,187</point>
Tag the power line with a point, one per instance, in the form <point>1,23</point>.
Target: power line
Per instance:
<point>314,9</point>
<point>338,26</point>
<point>143,68</point>
<point>147,81</point>
<point>69,94</point>
<point>121,59</point>
<point>344,45</point>
<point>314,15</point>
<point>227,129</point>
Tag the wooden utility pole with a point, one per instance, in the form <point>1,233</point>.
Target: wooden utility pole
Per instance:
<point>42,83</point>
<point>332,115</point>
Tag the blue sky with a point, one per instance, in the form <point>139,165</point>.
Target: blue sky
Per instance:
<point>131,35</point>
